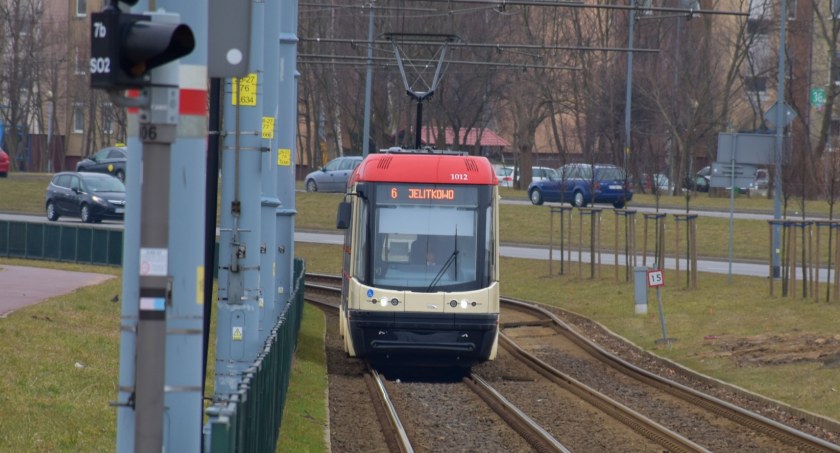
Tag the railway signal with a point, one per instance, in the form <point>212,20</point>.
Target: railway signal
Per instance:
<point>126,47</point>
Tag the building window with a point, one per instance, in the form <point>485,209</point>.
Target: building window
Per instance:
<point>78,118</point>
<point>81,8</point>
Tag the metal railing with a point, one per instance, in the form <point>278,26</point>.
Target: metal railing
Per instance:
<point>249,420</point>
<point>58,242</point>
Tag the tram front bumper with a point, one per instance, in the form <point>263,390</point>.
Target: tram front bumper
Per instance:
<point>464,337</point>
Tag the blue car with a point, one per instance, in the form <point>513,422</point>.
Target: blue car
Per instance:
<point>582,185</point>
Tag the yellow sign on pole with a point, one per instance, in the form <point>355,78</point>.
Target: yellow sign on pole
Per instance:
<point>245,90</point>
<point>268,127</point>
<point>284,157</point>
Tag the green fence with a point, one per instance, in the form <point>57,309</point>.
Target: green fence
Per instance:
<point>61,242</point>
<point>249,420</point>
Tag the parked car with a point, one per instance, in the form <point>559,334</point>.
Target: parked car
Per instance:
<point>540,173</point>
<point>761,183</point>
<point>4,164</point>
<point>110,160</point>
<point>505,175</point>
<point>659,181</point>
<point>89,196</point>
<point>699,182</point>
<point>583,184</point>
<point>333,177</point>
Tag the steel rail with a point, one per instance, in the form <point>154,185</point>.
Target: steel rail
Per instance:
<point>392,428</point>
<point>648,428</point>
<point>530,430</point>
<point>399,435</point>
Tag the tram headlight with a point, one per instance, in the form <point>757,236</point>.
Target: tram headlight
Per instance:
<point>395,301</point>
<point>383,301</point>
<point>464,303</point>
<point>453,303</point>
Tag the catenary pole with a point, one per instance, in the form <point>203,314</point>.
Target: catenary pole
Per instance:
<point>628,90</point>
<point>188,161</point>
<point>285,155</point>
<point>240,294</point>
<point>780,128</point>
<point>368,83</point>
<point>269,201</point>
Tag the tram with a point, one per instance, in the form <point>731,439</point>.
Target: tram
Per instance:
<point>421,258</point>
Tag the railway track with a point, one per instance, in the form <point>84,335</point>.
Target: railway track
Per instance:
<point>741,427</point>
<point>397,436</point>
<point>748,425</point>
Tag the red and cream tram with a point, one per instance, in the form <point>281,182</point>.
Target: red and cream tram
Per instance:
<point>421,258</point>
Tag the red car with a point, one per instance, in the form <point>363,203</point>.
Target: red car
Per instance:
<point>4,164</point>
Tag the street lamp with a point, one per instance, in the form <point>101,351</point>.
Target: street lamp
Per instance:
<point>50,103</point>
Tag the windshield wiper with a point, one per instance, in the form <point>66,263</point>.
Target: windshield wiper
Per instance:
<point>452,258</point>
<point>443,269</point>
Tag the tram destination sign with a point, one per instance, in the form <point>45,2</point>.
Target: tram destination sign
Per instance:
<point>427,193</point>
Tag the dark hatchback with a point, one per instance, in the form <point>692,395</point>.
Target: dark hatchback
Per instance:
<point>109,160</point>
<point>90,196</point>
<point>583,184</point>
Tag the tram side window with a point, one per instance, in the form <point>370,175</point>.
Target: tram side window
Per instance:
<point>360,247</point>
<point>490,240</point>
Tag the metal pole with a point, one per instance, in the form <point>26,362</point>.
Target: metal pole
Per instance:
<point>159,307</point>
<point>238,316</point>
<point>210,212</point>
<point>418,123</point>
<point>286,157</point>
<point>269,201</point>
<point>187,194</point>
<point>780,127</point>
<point>731,213</point>
<point>628,90</point>
<point>49,132</point>
<point>130,284</point>
<point>368,84</point>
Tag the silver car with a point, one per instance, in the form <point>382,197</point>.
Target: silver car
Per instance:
<point>333,177</point>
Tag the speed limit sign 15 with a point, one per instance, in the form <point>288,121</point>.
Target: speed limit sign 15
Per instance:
<point>656,278</point>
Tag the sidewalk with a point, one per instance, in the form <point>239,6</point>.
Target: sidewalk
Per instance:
<point>23,286</point>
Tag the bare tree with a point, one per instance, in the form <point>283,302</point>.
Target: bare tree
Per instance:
<point>828,31</point>
<point>20,48</point>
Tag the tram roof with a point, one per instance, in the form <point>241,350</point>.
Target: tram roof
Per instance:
<point>429,168</point>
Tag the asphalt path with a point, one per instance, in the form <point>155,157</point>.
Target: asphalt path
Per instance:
<point>24,286</point>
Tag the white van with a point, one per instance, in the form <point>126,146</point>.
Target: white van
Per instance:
<point>542,174</point>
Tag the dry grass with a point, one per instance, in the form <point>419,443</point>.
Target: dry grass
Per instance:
<point>60,362</point>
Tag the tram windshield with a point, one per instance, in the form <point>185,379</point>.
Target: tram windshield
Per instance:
<point>430,237</point>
